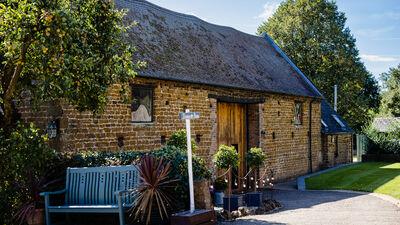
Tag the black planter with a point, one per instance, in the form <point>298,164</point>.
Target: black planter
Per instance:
<point>235,202</point>
<point>254,199</point>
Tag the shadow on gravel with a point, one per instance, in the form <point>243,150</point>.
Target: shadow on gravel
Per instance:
<point>252,222</point>
<point>294,199</point>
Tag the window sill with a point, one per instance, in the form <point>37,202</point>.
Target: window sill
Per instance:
<point>142,124</point>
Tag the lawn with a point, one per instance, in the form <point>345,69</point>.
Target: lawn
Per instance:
<point>375,177</point>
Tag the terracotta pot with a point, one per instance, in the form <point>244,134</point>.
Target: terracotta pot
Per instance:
<point>38,218</point>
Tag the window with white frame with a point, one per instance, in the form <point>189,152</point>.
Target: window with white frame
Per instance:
<point>324,124</point>
<point>338,121</point>
<point>142,104</point>
<point>298,113</point>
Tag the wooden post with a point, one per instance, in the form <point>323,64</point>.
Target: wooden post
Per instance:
<point>255,180</point>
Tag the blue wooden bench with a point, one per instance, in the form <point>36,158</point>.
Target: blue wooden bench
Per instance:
<point>96,190</point>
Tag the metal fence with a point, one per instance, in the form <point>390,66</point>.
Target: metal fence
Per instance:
<point>362,145</point>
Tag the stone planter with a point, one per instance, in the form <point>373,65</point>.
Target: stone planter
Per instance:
<point>202,196</point>
<point>219,198</point>
<point>254,199</point>
<point>234,201</point>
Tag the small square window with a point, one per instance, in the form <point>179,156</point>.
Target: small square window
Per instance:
<point>142,104</point>
<point>338,121</point>
<point>298,113</point>
<point>323,123</point>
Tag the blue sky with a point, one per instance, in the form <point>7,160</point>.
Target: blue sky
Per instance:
<point>374,23</point>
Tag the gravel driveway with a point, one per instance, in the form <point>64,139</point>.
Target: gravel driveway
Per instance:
<point>327,208</point>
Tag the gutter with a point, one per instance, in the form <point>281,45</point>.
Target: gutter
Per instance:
<point>310,168</point>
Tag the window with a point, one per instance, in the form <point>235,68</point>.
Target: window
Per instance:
<point>298,113</point>
<point>323,123</point>
<point>142,104</point>
<point>338,121</point>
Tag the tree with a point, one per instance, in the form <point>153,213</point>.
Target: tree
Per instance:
<point>314,36</point>
<point>390,104</point>
<point>72,49</point>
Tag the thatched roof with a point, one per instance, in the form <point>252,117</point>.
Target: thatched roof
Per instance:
<point>185,48</point>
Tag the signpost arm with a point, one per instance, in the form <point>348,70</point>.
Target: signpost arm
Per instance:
<point>190,170</point>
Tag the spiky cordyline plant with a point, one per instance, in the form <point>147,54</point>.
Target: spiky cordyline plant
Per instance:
<point>152,191</point>
<point>32,188</point>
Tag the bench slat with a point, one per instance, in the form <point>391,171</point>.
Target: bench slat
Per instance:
<point>93,190</point>
<point>97,185</point>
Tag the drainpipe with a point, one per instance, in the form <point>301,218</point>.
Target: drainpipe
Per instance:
<point>310,168</point>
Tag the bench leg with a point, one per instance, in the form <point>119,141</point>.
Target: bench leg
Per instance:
<point>121,216</point>
<point>121,211</point>
<point>46,204</point>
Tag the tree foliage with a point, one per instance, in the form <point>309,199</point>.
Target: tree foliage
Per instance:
<point>313,34</point>
<point>390,104</point>
<point>72,49</point>
<point>255,158</point>
<point>226,157</point>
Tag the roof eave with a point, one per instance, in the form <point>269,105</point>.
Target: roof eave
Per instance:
<point>231,87</point>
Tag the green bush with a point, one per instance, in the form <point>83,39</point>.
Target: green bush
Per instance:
<point>24,156</point>
<point>255,157</point>
<point>225,157</point>
<point>383,143</point>
<point>176,154</point>
<point>178,139</point>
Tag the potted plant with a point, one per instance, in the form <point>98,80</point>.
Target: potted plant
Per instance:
<point>255,158</point>
<point>152,202</point>
<point>227,158</point>
<point>220,186</point>
<point>32,210</point>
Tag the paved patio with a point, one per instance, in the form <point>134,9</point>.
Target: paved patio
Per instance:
<point>326,207</point>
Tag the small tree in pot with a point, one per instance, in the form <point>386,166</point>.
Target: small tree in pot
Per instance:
<point>227,158</point>
<point>255,158</point>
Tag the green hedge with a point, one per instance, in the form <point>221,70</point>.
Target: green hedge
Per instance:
<point>177,156</point>
<point>383,143</point>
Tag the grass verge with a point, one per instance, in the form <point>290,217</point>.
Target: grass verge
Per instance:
<point>375,177</point>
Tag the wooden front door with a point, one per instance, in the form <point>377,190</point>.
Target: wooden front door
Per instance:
<point>232,132</point>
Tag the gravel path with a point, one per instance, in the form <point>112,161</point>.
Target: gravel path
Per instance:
<point>327,208</point>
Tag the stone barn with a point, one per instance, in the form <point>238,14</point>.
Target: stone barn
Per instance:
<point>337,138</point>
<point>246,89</point>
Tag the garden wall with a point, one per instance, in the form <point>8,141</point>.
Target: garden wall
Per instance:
<point>285,144</point>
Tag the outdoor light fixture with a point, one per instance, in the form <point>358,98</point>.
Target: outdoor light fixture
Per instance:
<point>52,129</point>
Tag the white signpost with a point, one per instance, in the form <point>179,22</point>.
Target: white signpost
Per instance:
<point>187,116</point>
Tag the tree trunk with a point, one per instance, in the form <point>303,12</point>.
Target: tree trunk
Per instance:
<point>11,87</point>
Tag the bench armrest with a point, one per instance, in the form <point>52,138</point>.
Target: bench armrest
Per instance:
<point>53,192</point>
<point>124,192</point>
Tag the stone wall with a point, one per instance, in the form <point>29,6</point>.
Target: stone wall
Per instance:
<point>285,144</point>
<point>337,149</point>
